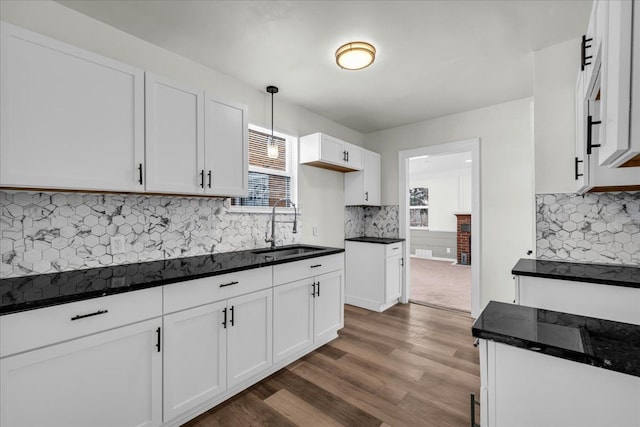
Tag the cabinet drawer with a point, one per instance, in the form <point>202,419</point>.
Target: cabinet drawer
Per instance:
<point>290,272</point>
<point>36,328</point>
<point>393,249</point>
<point>183,295</point>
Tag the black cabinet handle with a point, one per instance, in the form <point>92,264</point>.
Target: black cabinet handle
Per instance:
<point>576,168</point>
<point>202,178</point>
<point>313,293</point>
<point>209,175</point>
<point>317,265</point>
<point>402,262</point>
<point>347,157</point>
<point>318,287</point>
<point>474,403</point>
<point>224,322</point>
<point>140,173</point>
<point>590,123</point>
<point>366,196</point>
<point>344,155</point>
<point>158,342</point>
<point>583,52</point>
<point>232,317</point>
<point>84,316</point>
<point>229,284</point>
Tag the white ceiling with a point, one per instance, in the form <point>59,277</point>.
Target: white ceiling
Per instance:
<point>439,166</point>
<point>434,57</point>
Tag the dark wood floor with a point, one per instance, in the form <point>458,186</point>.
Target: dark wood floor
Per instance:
<point>409,366</point>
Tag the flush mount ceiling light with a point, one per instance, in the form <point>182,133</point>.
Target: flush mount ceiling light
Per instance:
<point>272,145</point>
<point>355,55</point>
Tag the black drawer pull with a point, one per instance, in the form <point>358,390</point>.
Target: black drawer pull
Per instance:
<point>224,322</point>
<point>202,178</point>
<point>209,175</point>
<point>229,284</point>
<point>159,333</point>
<point>140,173</point>
<point>82,316</point>
<point>313,293</point>
<point>317,265</point>
<point>396,248</point>
<point>318,294</point>
<point>232,317</point>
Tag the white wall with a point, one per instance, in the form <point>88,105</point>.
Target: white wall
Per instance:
<point>507,196</point>
<point>555,73</point>
<point>446,196</point>
<point>320,192</point>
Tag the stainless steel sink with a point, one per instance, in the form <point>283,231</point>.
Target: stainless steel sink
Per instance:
<point>286,252</point>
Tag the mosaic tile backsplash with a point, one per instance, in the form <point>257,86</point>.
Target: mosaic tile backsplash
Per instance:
<point>595,227</point>
<point>51,232</point>
<point>372,221</point>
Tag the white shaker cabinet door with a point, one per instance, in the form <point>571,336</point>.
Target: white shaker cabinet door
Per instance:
<point>292,318</point>
<point>225,149</point>
<point>393,278</point>
<point>112,378</point>
<point>329,305</point>
<point>194,357</point>
<point>70,119</point>
<point>249,336</point>
<point>174,137</point>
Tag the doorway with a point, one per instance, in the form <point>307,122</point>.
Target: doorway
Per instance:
<point>440,220</point>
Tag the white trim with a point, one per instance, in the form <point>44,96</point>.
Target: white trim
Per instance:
<point>472,145</point>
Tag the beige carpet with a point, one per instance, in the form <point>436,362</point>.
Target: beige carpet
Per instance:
<point>441,283</point>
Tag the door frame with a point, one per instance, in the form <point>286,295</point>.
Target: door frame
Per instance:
<point>468,145</point>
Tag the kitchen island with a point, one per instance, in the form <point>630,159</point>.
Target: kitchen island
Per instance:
<point>547,368</point>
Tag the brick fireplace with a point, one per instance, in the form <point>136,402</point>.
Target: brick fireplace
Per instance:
<point>463,238</point>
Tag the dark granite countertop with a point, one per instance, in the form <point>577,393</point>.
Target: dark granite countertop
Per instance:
<point>597,342</point>
<point>381,240</point>
<point>37,291</point>
<point>605,274</point>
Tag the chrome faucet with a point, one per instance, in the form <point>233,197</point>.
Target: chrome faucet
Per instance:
<point>272,239</point>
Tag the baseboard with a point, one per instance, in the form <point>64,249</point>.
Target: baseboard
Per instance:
<point>363,303</point>
<point>452,260</point>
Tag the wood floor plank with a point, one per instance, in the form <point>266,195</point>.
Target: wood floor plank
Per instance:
<point>298,411</point>
<point>409,366</point>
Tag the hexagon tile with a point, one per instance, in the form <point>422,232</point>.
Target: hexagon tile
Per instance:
<point>51,232</point>
<point>594,227</point>
<point>374,221</point>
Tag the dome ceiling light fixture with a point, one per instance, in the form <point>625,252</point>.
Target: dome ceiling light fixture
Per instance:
<point>355,55</point>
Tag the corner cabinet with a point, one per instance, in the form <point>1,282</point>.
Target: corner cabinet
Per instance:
<point>362,188</point>
<point>71,119</point>
<point>327,152</point>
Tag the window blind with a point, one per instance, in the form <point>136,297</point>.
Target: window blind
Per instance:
<point>265,188</point>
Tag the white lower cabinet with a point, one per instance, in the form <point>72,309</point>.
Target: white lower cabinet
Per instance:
<point>249,336</point>
<point>527,389</point>
<point>193,377</point>
<point>374,274</point>
<point>112,378</point>
<point>306,311</point>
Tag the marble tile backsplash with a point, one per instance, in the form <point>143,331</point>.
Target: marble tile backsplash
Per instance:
<point>373,221</point>
<point>595,227</point>
<point>51,232</point>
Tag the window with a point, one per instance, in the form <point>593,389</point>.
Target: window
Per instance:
<point>269,179</point>
<point>419,207</point>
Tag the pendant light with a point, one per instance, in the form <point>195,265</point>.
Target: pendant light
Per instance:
<point>272,145</point>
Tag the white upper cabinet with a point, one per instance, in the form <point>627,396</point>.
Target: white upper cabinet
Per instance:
<point>71,119</point>
<point>363,187</point>
<point>327,152</point>
<point>225,148</point>
<point>175,137</point>
<point>616,84</point>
